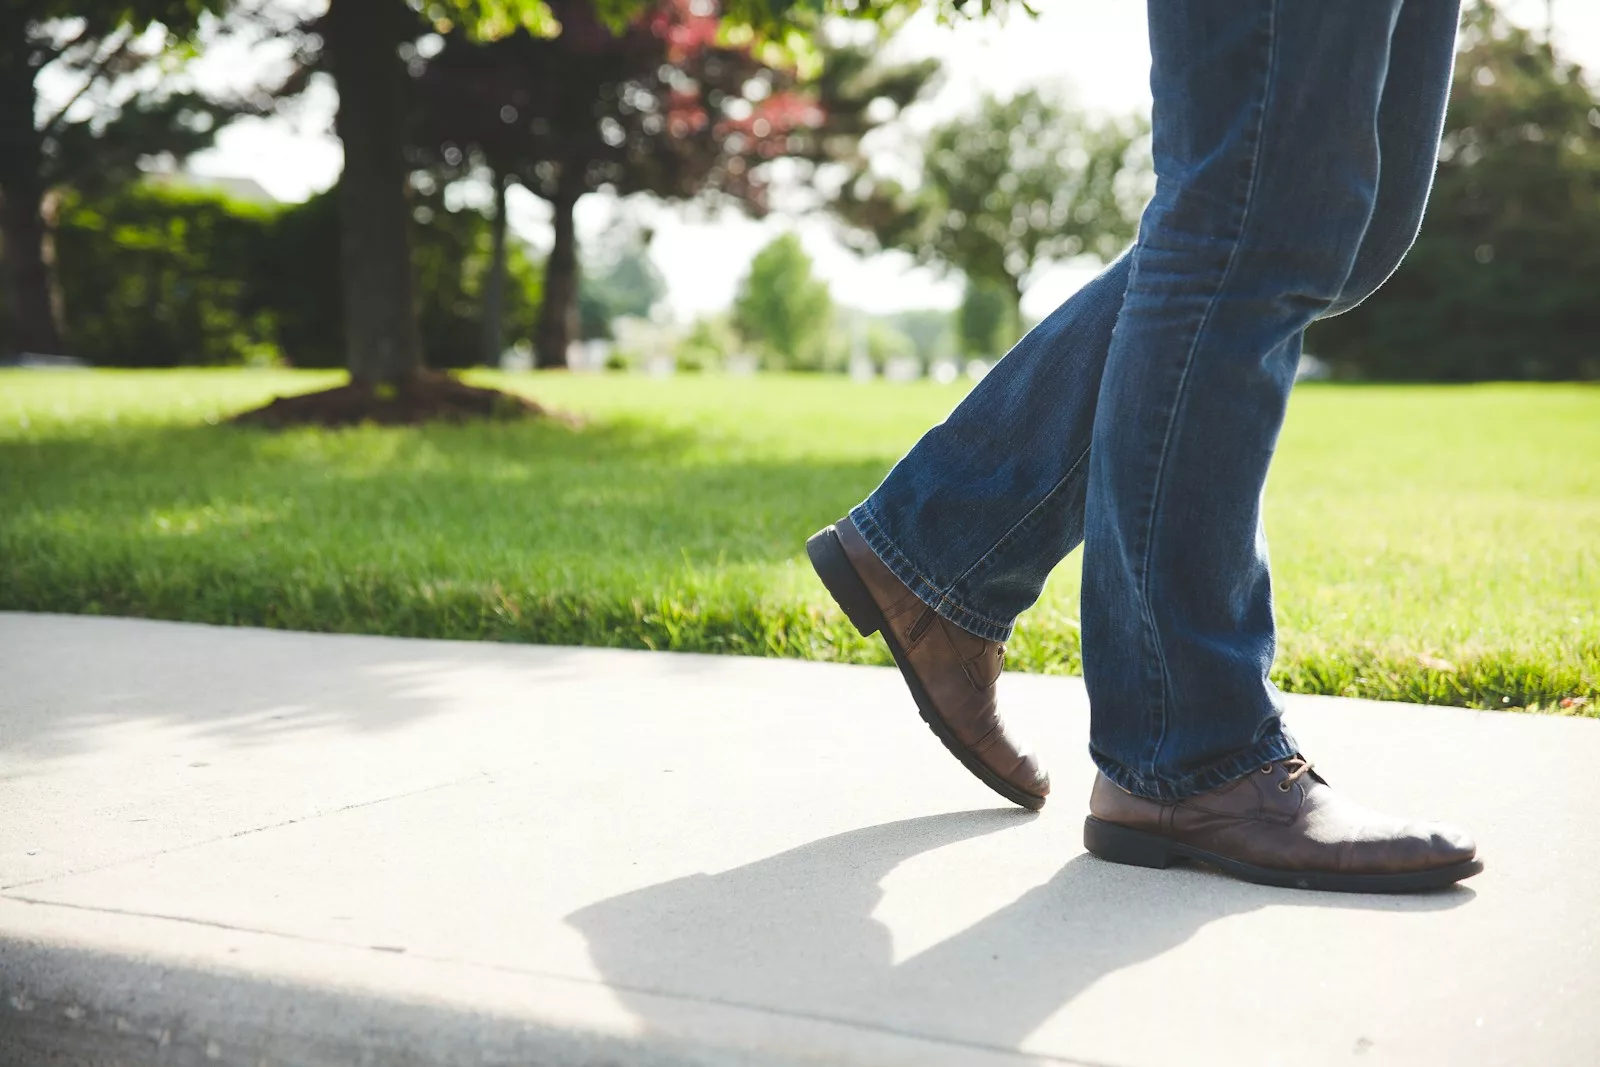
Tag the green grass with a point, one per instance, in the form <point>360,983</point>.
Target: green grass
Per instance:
<point>1429,544</point>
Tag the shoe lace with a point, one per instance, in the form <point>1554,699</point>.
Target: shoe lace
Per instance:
<point>1298,767</point>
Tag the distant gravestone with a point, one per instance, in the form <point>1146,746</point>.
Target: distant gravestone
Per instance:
<point>43,361</point>
<point>902,369</point>
<point>742,365</point>
<point>518,358</point>
<point>588,357</point>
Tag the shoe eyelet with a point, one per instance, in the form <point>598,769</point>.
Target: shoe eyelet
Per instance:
<point>1283,786</point>
<point>1266,768</point>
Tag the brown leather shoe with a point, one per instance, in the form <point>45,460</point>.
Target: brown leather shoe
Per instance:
<point>1280,825</point>
<point>952,673</point>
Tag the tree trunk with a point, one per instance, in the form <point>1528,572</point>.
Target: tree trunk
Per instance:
<point>385,345</point>
<point>27,279</point>
<point>22,230</point>
<point>1013,327</point>
<point>494,286</point>
<point>558,313</point>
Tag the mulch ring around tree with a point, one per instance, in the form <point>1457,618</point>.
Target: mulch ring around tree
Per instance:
<point>431,398</point>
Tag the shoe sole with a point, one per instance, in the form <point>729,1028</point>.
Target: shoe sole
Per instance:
<point>833,566</point>
<point>1139,848</point>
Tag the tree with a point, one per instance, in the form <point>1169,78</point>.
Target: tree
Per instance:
<point>885,343</point>
<point>297,281</point>
<point>986,321</point>
<point>707,345</point>
<point>857,93</point>
<point>361,43</point>
<point>364,37</point>
<point>781,309</point>
<point>930,332</point>
<point>92,43</point>
<point>1501,281</point>
<point>627,282</point>
<point>1019,184</point>
<point>660,108</point>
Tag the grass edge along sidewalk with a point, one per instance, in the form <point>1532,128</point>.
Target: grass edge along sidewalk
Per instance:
<point>1431,545</point>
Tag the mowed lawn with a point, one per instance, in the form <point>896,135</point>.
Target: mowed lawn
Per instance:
<point>1437,544</point>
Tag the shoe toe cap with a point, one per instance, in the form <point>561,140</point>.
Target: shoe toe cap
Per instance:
<point>1450,845</point>
<point>1031,777</point>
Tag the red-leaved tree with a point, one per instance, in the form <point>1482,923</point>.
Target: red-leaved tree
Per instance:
<point>660,107</point>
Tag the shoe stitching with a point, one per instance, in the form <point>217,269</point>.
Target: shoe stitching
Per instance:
<point>920,628</point>
<point>987,741</point>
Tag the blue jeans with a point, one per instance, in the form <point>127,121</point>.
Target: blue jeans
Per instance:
<point>1294,145</point>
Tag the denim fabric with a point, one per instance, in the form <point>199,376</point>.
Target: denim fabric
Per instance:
<point>1294,145</point>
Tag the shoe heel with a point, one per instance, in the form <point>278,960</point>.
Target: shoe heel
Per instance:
<point>1119,844</point>
<point>828,559</point>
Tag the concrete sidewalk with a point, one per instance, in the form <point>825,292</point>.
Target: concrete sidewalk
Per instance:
<point>252,847</point>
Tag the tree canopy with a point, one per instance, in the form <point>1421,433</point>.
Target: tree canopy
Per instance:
<point>782,309</point>
<point>658,106</point>
<point>92,139</point>
<point>986,322</point>
<point>1019,183</point>
<point>1501,281</point>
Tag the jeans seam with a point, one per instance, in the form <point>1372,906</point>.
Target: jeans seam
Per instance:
<point>941,601</point>
<point>1214,775</point>
<point>1151,631</point>
<point>1011,532</point>
<point>1334,308</point>
<point>878,527</point>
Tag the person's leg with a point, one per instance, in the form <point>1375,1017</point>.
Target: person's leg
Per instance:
<point>961,535</point>
<point>1269,165</point>
<point>981,510</point>
<point>1267,146</point>
<point>975,517</point>
<point>1410,124</point>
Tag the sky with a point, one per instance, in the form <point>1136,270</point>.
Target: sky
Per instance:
<point>1094,51</point>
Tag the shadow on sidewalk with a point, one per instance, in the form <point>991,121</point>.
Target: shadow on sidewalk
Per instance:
<point>792,936</point>
<point>248,687</point>
<point>795,933</point>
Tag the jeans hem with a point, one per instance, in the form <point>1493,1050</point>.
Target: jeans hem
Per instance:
<point>1278,746</point>
<point>940,600</point>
